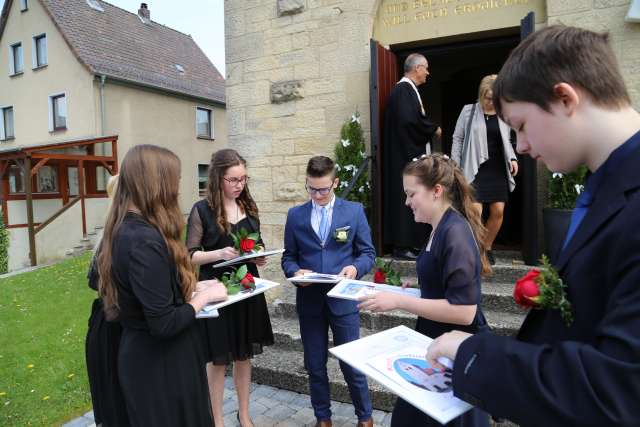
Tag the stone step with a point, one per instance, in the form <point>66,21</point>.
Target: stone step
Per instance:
<point>502,272</point>
<point>284,369</point>
<point>284,316</point>
<point>495,296</point>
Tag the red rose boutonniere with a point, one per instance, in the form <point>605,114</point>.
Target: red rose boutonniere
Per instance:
<point>543,289</point>
<point>385,274</point>
<point>239,280</point>
<point>245,242</point>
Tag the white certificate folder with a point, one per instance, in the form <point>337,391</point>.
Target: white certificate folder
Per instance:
<point>243,258</point>
<point>396,359</point>
<point>211,310</point>
<point>355,289</point>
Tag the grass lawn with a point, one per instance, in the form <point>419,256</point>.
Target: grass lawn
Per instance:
<point>43,323</point>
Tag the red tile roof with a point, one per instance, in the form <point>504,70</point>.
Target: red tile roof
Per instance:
<point>118,44</point>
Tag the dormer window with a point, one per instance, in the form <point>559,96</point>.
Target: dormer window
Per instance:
<point>93,4</point>
<point>23,5</point>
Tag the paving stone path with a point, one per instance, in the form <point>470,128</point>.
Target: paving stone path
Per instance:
<point>273,407</point>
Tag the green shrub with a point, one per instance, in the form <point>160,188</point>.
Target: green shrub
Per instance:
<point>564,189</point>
<point>350,152</point>
<point>4,248</point>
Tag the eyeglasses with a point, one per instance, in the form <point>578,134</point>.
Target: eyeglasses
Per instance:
<point>320,191</point>
<point>235,181</point>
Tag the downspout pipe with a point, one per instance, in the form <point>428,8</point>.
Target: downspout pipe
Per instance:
<point>103,79</point>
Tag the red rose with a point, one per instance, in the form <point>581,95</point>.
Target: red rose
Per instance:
<point>527,288</point>
<point>246,245</point>
<point>247,280</point>
<point>379,277</point>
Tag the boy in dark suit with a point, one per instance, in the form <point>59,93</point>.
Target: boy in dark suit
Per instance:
<point>328,235</point>
<point>562,91</point>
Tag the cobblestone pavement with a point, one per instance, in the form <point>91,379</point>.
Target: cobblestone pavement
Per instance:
<point>273,407</point>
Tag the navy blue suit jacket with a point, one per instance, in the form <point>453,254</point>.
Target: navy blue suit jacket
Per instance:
<point>586,374</point>
<point>303,250</point>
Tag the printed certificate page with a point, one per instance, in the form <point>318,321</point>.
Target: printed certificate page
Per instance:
<point>396,359</point>
<point>354,289</point>
<point>262,285</point>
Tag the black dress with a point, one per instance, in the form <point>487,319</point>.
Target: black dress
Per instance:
<point>243,328</point>
<point>449,270</point>
<point>491,182</point>
<point>101,352</point>
<point>161,363</point>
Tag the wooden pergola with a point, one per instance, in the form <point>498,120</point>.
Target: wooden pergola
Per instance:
<point>31,159</point>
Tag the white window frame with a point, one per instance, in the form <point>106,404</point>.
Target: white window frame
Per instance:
<point>51,109</point>
<point>34,51</point>
<point>23,5</point>
<point>3,136</point>
<point>211,123</point>
<point>12,59</point>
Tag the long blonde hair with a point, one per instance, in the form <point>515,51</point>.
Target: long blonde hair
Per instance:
<point>440,169</point>
<point>149,180</point>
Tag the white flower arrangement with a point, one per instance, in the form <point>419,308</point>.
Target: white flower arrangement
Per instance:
<point>355,118</point>
<point>345,142</point>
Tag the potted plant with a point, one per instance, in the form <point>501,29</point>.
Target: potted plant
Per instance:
<point>563,190</point>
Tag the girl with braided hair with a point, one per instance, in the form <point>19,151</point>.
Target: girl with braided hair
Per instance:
<point>449,267</point>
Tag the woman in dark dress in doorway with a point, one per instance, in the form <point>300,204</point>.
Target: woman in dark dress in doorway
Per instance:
<point>449,268</point>
<point>482,147</point>
<point>101,352</point>
<point>147,283</point>
<point>243,328</point>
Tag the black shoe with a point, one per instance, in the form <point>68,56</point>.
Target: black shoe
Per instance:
<point>404,253</point>
<point>492,259</point>
<point>238,417</point>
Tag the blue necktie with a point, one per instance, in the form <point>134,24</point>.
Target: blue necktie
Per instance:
<point>582,206</point>
<point>324,226</point>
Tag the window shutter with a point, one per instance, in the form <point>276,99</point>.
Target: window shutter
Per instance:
<point>34,53</point>
<point>211,123</point>
<point>2,135</point>
<point>12,61</point>
<point>51,113</point>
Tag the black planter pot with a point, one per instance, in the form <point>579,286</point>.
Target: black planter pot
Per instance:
<point>556,224</point>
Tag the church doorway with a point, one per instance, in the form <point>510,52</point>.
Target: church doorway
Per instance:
<point>457,64</point>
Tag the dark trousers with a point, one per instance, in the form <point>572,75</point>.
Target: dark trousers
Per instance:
<point>314,332</point>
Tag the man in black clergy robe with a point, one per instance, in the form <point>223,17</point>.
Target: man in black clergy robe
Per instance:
<point>407,131</point>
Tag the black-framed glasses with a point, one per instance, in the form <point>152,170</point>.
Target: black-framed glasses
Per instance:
<point>321,191</point>
<point>235,181</point>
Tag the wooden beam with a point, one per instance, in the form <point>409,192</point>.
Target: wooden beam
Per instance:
<point>32,235</point>
<point>30,150</point>
<point>37,167</point>
<point>107,167</point>
<point>4,165</point>
<point>76,157</point>
<point>57,214</point>
<point>81,190</point>
<point>114,154</point>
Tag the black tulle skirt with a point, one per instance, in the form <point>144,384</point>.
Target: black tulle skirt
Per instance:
<point>101,351</point>
<point>239,333</point>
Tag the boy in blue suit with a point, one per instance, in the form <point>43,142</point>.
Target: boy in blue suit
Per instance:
<point>311,244</point>
<point>562,91</point>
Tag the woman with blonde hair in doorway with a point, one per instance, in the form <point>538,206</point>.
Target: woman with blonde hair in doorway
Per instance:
<point>482,148</point>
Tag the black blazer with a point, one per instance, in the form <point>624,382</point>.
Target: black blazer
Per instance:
<point>587,374</point>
